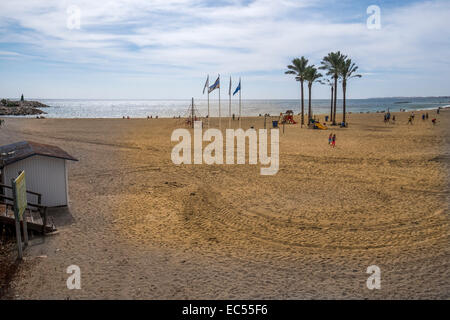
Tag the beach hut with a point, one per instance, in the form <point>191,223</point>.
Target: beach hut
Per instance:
<point>45,169</point>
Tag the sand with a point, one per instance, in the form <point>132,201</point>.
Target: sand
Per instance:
<point>148,229</point>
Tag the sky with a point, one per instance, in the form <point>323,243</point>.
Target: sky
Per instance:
<point>164,49</point>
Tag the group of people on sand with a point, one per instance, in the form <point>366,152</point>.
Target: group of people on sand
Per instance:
<point>425,116</point>
<point>411,118</point>
<point>148,117</point>
<point>332,140</point>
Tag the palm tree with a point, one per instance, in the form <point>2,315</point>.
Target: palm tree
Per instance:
<point>311,75</point>
<point>298,68</point>
<point>348,71</point>
<point>330,83</point>
<point>332,63</point>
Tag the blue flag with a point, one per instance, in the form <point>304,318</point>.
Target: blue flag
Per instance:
<point>214,86</point>
<point>238,88</point>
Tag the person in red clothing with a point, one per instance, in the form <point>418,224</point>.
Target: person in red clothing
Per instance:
<point>333,141</point>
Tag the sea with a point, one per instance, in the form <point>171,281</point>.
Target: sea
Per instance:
<point>105,108</point>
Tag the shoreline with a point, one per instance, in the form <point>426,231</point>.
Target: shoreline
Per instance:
<point>167,109</point>
<point>223,117</point>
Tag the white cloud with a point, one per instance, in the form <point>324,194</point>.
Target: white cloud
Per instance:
<point>169,36</point>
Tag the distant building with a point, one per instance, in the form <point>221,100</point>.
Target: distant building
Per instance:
<point>45,169</point>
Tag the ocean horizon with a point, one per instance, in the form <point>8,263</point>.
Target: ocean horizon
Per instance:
<point>169,108</point>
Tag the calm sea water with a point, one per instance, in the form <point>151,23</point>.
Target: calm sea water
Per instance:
<point>66,108</point>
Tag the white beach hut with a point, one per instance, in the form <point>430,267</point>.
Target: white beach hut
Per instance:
<point>45,169</point>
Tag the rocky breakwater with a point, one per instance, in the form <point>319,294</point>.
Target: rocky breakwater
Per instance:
<point>21,108</point>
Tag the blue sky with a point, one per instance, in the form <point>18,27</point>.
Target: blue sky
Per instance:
<point>163,49</point>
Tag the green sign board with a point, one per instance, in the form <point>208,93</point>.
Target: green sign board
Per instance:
<point>20,194</point>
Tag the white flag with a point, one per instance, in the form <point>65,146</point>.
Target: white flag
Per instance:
<point>206,84</point>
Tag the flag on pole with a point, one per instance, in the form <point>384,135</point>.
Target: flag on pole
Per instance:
<point>229,89</point>
<point>238,88</point>
<point>206,84</point>
<point>215,86</point>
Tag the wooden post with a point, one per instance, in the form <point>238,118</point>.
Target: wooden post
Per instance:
<point>44,224</point>
<point>17,220</point>
<point>25,228</point>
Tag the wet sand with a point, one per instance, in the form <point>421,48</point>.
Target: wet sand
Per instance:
<point>148,229</point>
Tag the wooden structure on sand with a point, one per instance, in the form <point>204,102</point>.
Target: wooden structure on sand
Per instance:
<point>46,174</point>
<point>36,215</point>
<point>192,115</point>
<point>45,166</point>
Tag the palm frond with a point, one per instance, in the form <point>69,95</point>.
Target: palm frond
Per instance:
<point>298,68</point>
<point>312,75</point>
<point>348,70</point>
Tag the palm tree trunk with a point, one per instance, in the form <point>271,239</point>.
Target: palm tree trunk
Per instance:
<point>344,89</point>
<point>331,108</point>
<point>303,103</point>
<point>334,102</point>
<point>309,103</point>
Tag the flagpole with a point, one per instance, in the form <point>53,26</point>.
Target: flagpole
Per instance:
<point>192,114</point>
<point>240,115</point>
<point>220,115</point>
<point>208,102</point>
<point>229,105</point>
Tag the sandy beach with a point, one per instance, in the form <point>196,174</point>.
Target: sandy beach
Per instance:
<point>148,229</point>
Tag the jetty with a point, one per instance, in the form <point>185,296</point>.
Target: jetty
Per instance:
<point>21,108</point>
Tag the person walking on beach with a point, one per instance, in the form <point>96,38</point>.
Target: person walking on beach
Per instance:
<point>410,120</point>
<point>426,115</point>
<point>333,141</point>
<point>423,117</point>
<point>330,138</point>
